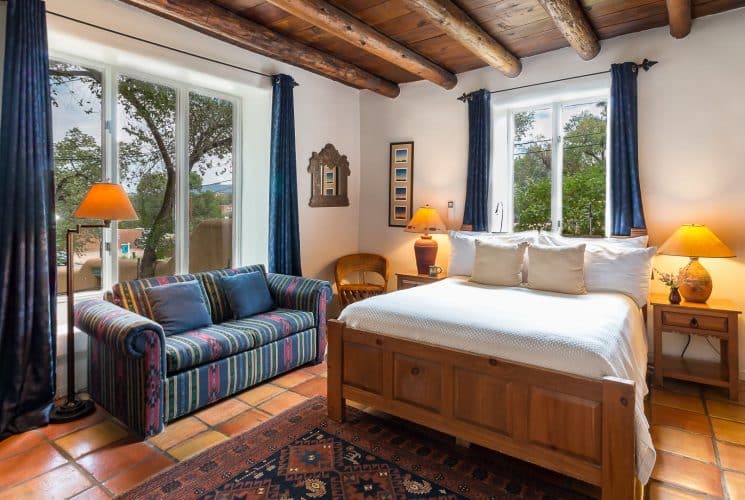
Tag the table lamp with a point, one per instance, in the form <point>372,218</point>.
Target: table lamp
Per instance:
<point>427,221</point>
<point>694,241</point>
<point>105,201</point>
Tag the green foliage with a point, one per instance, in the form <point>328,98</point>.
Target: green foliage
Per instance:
<point>584,200</point>
<point>533,204</point>
<point>77,159</point>
<point>204,204</point>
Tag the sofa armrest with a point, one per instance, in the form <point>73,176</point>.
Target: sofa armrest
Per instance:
<point>116,327</point>
<point>305,294</point>
<point>294,292</point>
<point>126,364</point>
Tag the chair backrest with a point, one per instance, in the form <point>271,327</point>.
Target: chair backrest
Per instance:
<point>361,263</point>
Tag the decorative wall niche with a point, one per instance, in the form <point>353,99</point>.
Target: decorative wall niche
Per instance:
<point>329,171</point>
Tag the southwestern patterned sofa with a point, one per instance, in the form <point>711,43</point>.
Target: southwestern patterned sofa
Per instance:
<point>146,379</point>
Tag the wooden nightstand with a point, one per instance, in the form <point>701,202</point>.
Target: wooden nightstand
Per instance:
<point>716,318</point>
<point>410,280</point>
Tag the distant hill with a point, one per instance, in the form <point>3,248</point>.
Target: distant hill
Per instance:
<point>216,188</point>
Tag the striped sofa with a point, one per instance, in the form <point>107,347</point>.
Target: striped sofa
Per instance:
<point>146,379</point>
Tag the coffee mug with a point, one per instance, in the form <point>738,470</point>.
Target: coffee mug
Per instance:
<point>434,270</point>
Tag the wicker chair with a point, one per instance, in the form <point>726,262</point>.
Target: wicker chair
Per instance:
<point>360,263</point>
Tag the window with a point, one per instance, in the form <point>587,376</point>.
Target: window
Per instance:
<point>559,166</point>
<point>171,147</point>
<point>77,122</point>
<point>210,182</point>
<point>147,170</point>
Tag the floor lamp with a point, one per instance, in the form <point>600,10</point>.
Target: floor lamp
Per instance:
<point>105,201</point>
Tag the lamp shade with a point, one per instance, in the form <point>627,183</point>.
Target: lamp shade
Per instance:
<point>426,220</point>
<point>106,201</point>
<point>693,240</point>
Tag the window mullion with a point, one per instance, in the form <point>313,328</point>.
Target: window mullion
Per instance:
<point>237,257</point>
<point>181,224</point>
<point>110,260</point>
<point>556,167</point>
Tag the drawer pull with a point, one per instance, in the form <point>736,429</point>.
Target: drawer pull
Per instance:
<point>693,323</point>
<point>415,371</point>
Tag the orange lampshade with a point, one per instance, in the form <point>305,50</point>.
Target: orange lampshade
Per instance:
<point>426,220</point>
<point>693,240</point>
<point>106,201</point>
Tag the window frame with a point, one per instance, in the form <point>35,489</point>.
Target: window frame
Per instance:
<point>557,156</point>
<point>110,168</point>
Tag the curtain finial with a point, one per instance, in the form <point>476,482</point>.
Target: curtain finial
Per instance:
<point>279,76</point>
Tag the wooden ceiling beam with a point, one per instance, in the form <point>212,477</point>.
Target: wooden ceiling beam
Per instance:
<point>224,25</point>
<point>679,14</point>
<point>350,29</point>
<point>464,30</point>
<point>569,16</point>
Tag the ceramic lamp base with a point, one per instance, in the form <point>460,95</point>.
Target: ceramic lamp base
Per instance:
<point>695,282</point>
<point>425,251</point>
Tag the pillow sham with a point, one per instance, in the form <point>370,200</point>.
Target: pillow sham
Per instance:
<point>463,248</point>
<point>498,263</point>
<point>557,268</point>
<point>557,239</point>
<point>623,270</point>
<point>247,293</point>
<point>179,307</point>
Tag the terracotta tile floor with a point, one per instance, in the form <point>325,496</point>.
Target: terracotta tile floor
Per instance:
<point>699,436</point>
<point>698,433</point>
<point>96,457</point>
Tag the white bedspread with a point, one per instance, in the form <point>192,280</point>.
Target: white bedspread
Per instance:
<point>593,335</point>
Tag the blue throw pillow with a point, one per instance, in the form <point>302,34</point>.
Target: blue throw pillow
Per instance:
<point>248,294</point>
<point>179,307</point>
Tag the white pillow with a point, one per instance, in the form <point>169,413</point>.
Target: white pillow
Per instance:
<point>557,239</point>
<point>498,263</point>
<point>557,268</point>
<point>623,270</point>
<point>463,248</point>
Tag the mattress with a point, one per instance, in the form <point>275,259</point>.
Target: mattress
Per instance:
<point>593,335</point>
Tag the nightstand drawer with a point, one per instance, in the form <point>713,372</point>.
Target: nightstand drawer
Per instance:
<point>404,283</point>
<point>695,321</point>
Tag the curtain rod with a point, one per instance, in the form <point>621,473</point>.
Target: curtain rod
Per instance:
<point>204,58</point>
<point>645,65</point>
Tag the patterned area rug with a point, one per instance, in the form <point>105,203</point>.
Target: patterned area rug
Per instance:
<point>300,454</point>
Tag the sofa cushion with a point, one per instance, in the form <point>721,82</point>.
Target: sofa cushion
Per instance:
<point>204,345</point>
<point>248,294</point>
<point>273,325</point>
<point>218,301</point>
<point>179,307</point>
<point>130,295</point>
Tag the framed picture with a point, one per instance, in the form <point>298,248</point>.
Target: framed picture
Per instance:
<point>400,183</point>
<point>329,170</point>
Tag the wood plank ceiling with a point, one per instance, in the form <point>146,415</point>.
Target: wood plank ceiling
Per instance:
<point>522,27</point>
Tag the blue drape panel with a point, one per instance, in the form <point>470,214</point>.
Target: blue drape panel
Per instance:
<point>476,208</point>
<point>27,247</point>
<point>627,211</point>
<point>284,231</point>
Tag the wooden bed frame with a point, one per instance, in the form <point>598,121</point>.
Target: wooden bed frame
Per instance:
<point>577,426</point>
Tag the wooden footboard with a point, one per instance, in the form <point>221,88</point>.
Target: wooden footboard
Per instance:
<point>580,427</point>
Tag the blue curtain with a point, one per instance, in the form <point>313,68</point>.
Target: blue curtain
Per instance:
<point>627,211</point>
<point>284,231</point>
<point>27,247</point>
<point>476,209</point>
